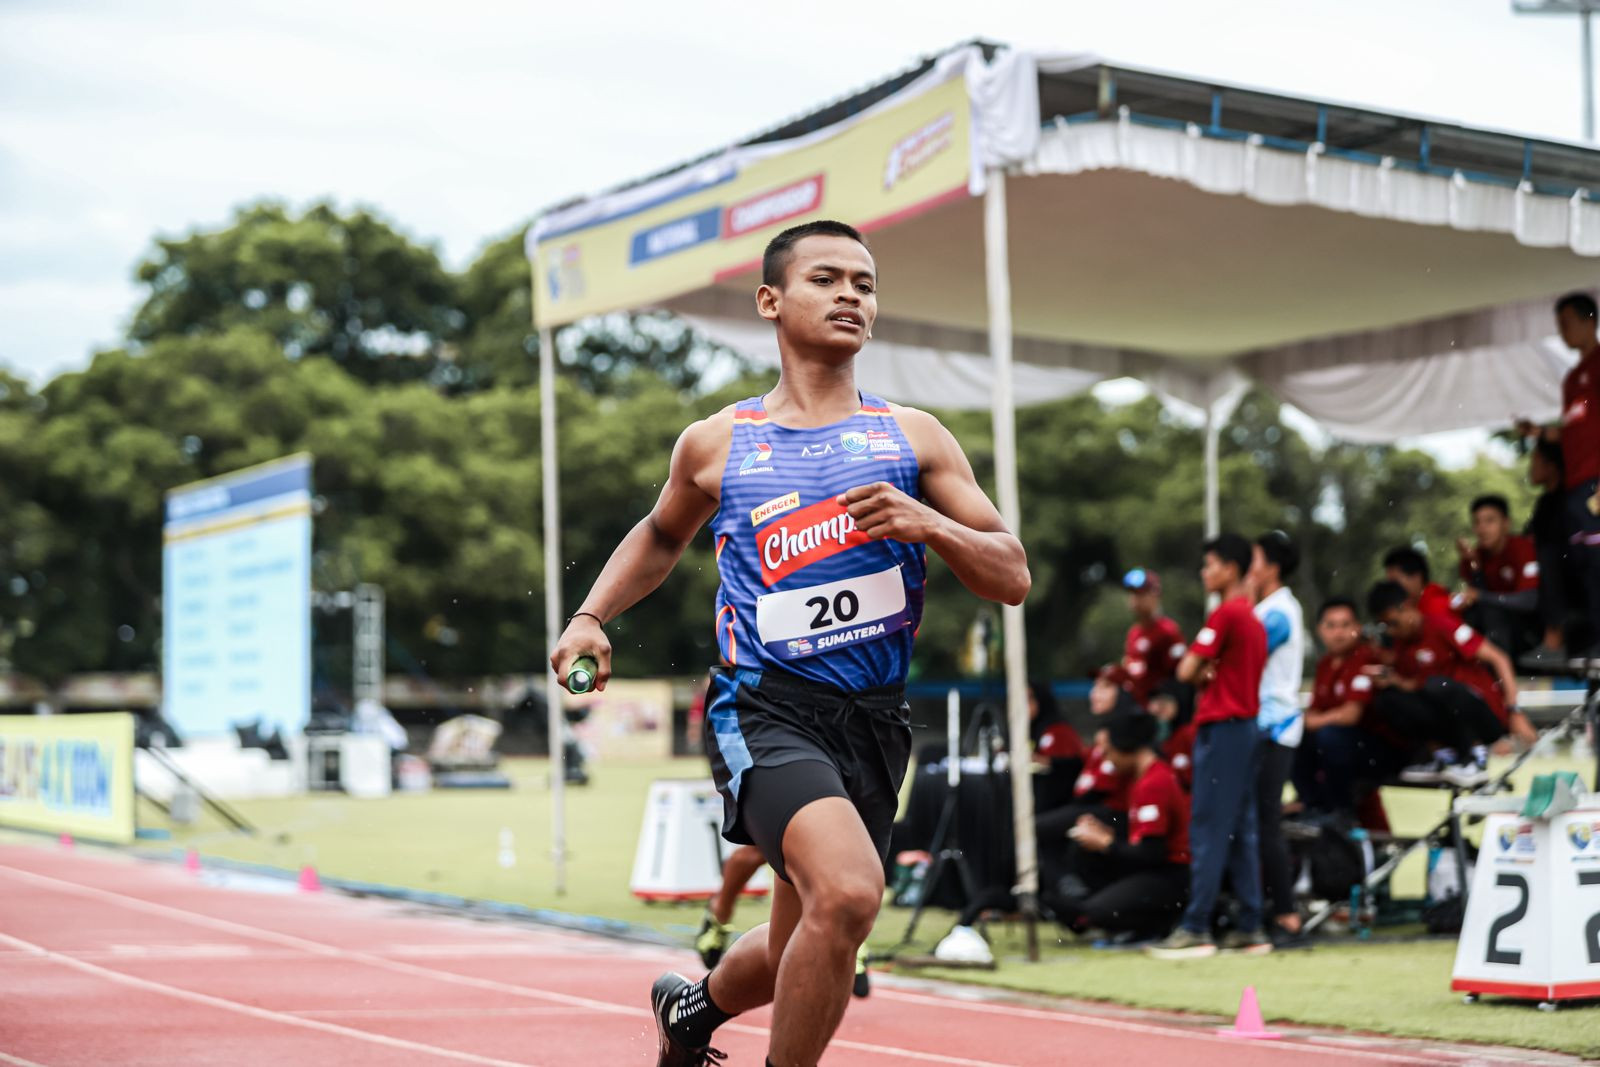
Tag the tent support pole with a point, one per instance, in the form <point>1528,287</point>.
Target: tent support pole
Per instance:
<point>1214,421</point>
<point>997,269</point>
<point>555,723</point>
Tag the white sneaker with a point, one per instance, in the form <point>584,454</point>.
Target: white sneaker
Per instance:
<point>1466,775</point>
<point>964,945</point>
<point>1430,773</point>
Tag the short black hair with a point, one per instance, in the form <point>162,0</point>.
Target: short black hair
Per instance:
<point>1334,603</point>
<point>1407,560</point>
<point>1582,304</point>
<point>1552,454</point>
<point>1279,550</point>
<point>1130,731</point>
<point>1491,500</point>
<point>1229,548</point>
<point>1384,597</point>
<point>775,260</point>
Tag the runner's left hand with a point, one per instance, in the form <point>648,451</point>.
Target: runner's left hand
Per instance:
<point>881,510</point>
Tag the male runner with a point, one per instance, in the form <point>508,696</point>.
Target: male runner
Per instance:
<point>825,501</point>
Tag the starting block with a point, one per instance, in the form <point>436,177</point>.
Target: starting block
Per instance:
<point>681,849</point>
<point>1532,926</point>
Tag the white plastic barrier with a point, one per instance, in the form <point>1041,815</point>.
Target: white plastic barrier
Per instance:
<point>1532,928</point>
<point>681,848</point>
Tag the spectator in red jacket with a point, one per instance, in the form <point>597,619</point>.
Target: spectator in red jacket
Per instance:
<point>1154,644</point>
<point>1440,688</point>
<point>1172,705</point>
<point>1500,578</point>
<point>1348,749</point>
<point>1578,433</point>
<point>1408,567</point>
<point>1225,660</point>
<point>1133,882</point>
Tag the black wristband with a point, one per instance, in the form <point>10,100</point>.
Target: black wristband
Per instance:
<point>598,620</point>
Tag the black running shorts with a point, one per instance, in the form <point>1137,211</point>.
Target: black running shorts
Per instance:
<point>777,742</point>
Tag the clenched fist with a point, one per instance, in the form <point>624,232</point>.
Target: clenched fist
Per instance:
<point>582,637</point>
<point>882,511</point>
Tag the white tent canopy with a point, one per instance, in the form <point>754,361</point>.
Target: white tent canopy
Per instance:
<point>1044,222</point>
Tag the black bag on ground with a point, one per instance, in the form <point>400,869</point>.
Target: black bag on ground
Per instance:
<point>1336,864</point>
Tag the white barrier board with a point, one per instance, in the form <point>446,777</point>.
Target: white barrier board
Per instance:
<point>681,849</point>
<point>1532,927</point>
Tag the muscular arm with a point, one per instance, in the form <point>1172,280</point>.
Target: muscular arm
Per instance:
<point>652,548</point>
<point>958,521</point>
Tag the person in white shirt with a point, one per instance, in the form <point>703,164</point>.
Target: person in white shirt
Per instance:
<point>1280,719</point>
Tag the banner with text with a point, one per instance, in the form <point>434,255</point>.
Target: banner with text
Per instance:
<point>236,600</point>
<point>70,774</point>
<point>713,220</point>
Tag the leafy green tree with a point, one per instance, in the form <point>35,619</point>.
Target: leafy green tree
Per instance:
<point>347,286</point>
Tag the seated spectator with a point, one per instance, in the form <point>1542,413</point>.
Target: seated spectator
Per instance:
<point>1154,643</point>
<point>1559,581</point>
<point>1500,578</point>
<point>1100,790</point>
<point>1057,749</point>
<point>1408,567</point>
<point>1347,749</point>
<point>1172,706</point>
<point>1440,690</point>
<point>1133,883</point>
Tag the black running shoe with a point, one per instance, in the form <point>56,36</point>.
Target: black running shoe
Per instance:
<point>663,999</point>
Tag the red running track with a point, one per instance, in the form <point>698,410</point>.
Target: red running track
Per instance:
<point>107,959</point>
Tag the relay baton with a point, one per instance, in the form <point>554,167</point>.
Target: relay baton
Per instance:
<point>580,678</point>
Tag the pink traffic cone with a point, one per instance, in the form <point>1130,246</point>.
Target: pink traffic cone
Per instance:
<point>309,882</point>
<point>1248,1022</point>
<point>66,841</point>
<point>191,861</point>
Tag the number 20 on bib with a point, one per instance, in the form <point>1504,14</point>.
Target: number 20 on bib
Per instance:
<point>820,618</point>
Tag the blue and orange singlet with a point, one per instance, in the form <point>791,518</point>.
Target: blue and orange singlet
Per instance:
<point>802,589</point>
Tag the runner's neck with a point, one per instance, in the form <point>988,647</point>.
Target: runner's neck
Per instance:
<point>810,393</point>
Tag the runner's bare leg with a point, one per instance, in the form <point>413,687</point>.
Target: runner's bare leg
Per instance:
<point>741,866</point>
<point>839,877</point>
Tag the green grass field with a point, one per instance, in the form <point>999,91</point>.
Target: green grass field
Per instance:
<point>448,842</point>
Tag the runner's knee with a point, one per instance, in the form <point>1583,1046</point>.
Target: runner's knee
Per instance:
<point>847,902</point>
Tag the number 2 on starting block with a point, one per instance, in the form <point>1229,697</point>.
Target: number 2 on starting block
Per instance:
<point>1532,927</point>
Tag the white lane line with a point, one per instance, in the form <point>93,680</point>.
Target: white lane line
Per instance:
<point>1182,1033</point>
<point>427,1013</point>
<point>6,1057</point>
<point>251,1010</point>
<point>531,992</point>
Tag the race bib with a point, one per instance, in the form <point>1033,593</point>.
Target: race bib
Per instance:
<point>820,618</point>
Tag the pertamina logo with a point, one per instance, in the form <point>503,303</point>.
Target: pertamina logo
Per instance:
<point>813,533</point>
<point>757,462</point>
<point>773,508</point>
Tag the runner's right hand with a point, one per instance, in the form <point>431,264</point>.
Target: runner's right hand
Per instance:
<point>582,637</point>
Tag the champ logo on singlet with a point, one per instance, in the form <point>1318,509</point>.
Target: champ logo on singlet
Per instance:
<point>803,537</point>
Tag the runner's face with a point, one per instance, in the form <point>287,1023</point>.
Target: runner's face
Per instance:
<point>829,297</point>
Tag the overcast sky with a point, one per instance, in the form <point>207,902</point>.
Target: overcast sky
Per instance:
<point>123,119</point>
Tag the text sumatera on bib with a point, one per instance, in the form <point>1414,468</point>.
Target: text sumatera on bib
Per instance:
<point>802,589</point>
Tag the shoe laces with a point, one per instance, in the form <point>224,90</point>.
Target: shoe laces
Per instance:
<point>708,1055</point>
